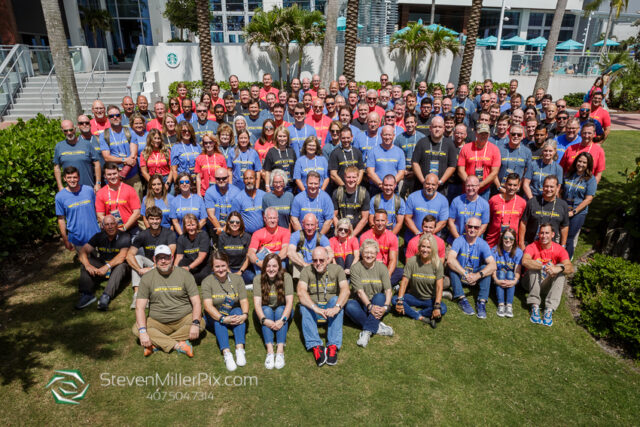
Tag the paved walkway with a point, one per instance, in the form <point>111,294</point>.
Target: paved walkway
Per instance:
<point>625,121</point>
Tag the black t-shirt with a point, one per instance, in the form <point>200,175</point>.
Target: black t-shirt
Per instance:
<point>149,242</point>
<point>236,248</point>
<point>107,249</point>
<point>423,123</point>
<point>280,159</point>
<point>360,125</point>
<point>431,156</point>
<point>350,206</point>
<point>536,152</point>
<point>192,248</point>
<point>551,129</point>
<point>538,211</point>
<point>339,160</point>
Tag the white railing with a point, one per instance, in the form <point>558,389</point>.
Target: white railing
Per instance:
<point>93,71</point>
<point>569,64</point>
<point>14,69</point>
<point>138,69</point>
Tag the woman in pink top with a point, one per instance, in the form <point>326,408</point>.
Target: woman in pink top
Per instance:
<point>345,247</point>
<point>156,159</point>
<point>207,162</point>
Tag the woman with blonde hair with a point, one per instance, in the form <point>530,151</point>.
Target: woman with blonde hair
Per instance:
<point>156,159</point>
<point>207,162</point>
<point>538,170</point>
<point>169,130</point>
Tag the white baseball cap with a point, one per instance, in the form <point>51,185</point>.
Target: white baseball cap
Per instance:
<point>162,250</point>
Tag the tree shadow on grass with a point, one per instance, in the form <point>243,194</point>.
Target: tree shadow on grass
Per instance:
<point>604,209</point>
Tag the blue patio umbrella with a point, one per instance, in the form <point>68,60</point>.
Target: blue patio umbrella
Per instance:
<point>436,27</point>
<point>609,43</point>
<point>569,45</point>
<point>342,23</point>
<point>488,41</point>
<point>537,42</point>
<point>515,41</point>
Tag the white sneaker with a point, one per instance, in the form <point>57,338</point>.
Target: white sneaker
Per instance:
<point>240,359</point>
<point>279,360</point>
<point>269,362</point>
<point>133,302</point>
<point>228,360</point>
<point>384,330</point>
<point>363,339</point>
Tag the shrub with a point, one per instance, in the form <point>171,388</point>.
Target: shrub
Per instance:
<point>574,99</point>
<point>609,289</point>
<point>27,185</point>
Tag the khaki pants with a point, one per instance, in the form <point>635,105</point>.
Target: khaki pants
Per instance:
<point>166,335</point>
<point>553,287</point>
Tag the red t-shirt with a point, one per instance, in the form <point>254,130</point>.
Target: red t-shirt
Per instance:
<point>387,242</point>
<point>97,128</point>
<point>321,126</point>
<point>595,150</point>
<point>206,166</point>
<point>156,163</point>
<point>154,124</point>
<point>601,115</point>
<point>474,158</point>
<point>556,253</point>
<point>272,241</point>
<point>378,110</point>
<point>125,199</point>
<point>283,123</point>
<point>412,246</point>
<point>263,149</point>
<point>341,250</point>
<point>503,213</point>
<point>263,93</point>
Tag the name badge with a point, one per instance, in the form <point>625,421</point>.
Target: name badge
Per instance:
<point>480,173</point>
<point>434,166</point>
<point>226,306</point>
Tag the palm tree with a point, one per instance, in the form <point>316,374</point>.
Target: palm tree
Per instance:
<point>95,19</point>
<point>329,46</point>
<point>413,42</point>
<point>542,81</point>
<point>439,42</point>
<point>308,28</point>
<point>71,107</point>
<point>432,18</point>
<point>351,40</point>
<point>204,40</point>
<point>470,44</point>
<point>616,6</point>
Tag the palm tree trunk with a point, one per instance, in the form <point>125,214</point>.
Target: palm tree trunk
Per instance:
<point>280,58</point>
<point>550,50</point>
<point>607,33</point>
<point>327,66</point>
<point>300,56</point>
<point>431,55</point>
<point>71,107</point>
<point>470,45</point>
<point>433,12</point>
<point>288,60</point>
<point>414,70</point>
<point>206,59</point>
<point>351,40</point>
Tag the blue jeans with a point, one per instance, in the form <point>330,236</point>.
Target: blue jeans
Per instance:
<point>281,335</point>
<point>505,295</point>
<point>575,224</point>
<point>484,284</point>
<point>357,312</point>
<point>426,305</point>
<point>222,331</point>
<point>453,191</point>
<point>310,326</point>
<point>396,276</point>
<point>486,194</point>
<point>345,262</point>
<point>247,275</point>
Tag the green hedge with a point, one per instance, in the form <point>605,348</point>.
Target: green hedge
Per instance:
<point>609,289</point>
<point>27,185</point>
<point>575,99</point>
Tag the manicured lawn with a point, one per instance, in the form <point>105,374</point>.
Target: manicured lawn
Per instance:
<point>496,371</point>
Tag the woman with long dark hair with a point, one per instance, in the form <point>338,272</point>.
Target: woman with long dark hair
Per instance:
<point>578,189</point>
<point>508,258</point>
<point>157,195</point>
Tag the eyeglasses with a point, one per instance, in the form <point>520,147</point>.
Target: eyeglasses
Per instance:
<point>298,113</point>
<point>269,128</point>
<point>68,130</point>
<point>234,222</point>
<point>372,98</point>
<point>207,142</point>
<point>114,116</point>
<point>585,110</point>
<point>173,103</point>
<point>221,178</point>
<point>186,131</point>
<point>185,181</point>
<point>84,123</point>
<point>562,118</point>
<point>473,227</point>
<point>516,134</point>
<point>201,111</point>
<point>508,238</point>
<point>330,104</point>
<point>485,100</point>
<point>317,260</point>
<point>343,230</point>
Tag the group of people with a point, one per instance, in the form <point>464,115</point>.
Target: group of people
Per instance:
<point>314,191</point>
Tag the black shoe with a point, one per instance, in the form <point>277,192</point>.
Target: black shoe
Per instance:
<point>103,302</point>
<point>84,301</point>
<point>332,355</point>
<point>429,321</point>
<point>320,355</point>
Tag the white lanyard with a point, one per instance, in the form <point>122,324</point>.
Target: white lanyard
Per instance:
<point>117,196</point>
<point>504,206</point>
<point>486,145</point>
<point>190,203</point>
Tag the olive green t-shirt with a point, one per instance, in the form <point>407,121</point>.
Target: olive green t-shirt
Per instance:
<point>233,288</point>
<point>273,293</point>
<point>372,280</point>
<point>168,295</point>
<point>323,287</point>
<point>422,278</point>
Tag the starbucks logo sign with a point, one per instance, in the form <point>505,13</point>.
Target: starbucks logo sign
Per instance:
<point>172,60</point>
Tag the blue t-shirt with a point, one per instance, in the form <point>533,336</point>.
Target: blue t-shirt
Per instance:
<point>419,206</point>
<point>93,141</point>
<point>192,119</point>
<point>222,203</point>
<point>366,143</point>
<point>505,262</point>
<point>321,207</point>
<point>499,141</point>
<point>389,206</point>
<point>466,103</point>
<point>140,141</point>
<point>599,129</point>
<point>537,171</point>
<point>243,162</point>
<point>304,165</point>
<point>184,156</point>
<point>386,161</point>
<point>180,206</point>
<point>118,147</point>
<point>513,161</point>
<point>309,245</point>
<point>81,155</point>
<point>282,204</point>
<point>461,210</point>
<point>298,136</point>
<point>576,189</point>
<point>408,143</point>
<point>471,257</point>
<point>201,129</point>
<point>80,213</point>
<point>563,144</point>
<point>354,131</point>
<point>165,207</point>
<point>250,209</point>
<point>254,126</point>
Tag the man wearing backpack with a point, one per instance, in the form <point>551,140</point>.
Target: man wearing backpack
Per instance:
<point>351,201</point>
<point>303,242</point>
<point>389,202</point>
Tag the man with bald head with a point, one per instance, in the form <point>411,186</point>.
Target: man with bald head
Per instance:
<point>426,202</point>
<point>315,85</point>
<point>99,122</point>
<point>249,203</point>
<point>159,110</point>
<point>468,205</point>
<point>142,105</point>
<point>434,154</point>
<point>318,120</point>
<point>80,153</point>
<point>128,107</point>
<point>303,242</point>
<point>372,102</point>
<point>342,86</point>
<point>385,159</point>
<point>371,137</point>
<point>271,239</point>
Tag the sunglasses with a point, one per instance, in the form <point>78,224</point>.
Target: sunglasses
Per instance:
<point>84,123</point>
<point>330,104</point>
<point>473,227</point>
<point>334,131</point>
<point>68,130</point>
<point>173,103</point>
<point>508,238</point>
<point>343,230</point>
<point>372,99</point>
<point>114,116</point>
<point>185,181</point>
<point>562,118</point>
<point>317,260</point>
<point>516,134</point>
<point>269,128</point>
<point>584,110</point>
<point>234,222</point>
<point>186,131</point>
<point>201,111</point>
<point>298,113</point>
<point>221,178</point>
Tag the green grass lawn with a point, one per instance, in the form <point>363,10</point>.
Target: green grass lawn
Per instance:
<point>495,371</point>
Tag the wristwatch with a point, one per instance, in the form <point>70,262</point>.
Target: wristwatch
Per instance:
<point>339,306</point>
<point>195,322</point>
<point>262,320</point>
<point>284,319</point>
<point>481,274</point>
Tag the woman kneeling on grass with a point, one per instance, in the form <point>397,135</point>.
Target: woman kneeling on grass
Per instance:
<point>421,284</point>
<point>274,307</point>
<point>508,258</point>
<point>371,289</point>
<point>226,307</point>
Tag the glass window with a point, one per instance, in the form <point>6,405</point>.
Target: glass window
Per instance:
<point>253,4</point>
<point>128,9</point>
<point>535,19</point>
<point>216,23</point>
<point>513,18</point>
<point>568,20</point>
<point>235,23</point>
<point>235,5</point>
<point>565,35</point>
<point>217,37</point>
<point>215,5</point>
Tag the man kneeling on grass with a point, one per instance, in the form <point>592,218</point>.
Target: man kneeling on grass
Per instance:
<point>174,307</point>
